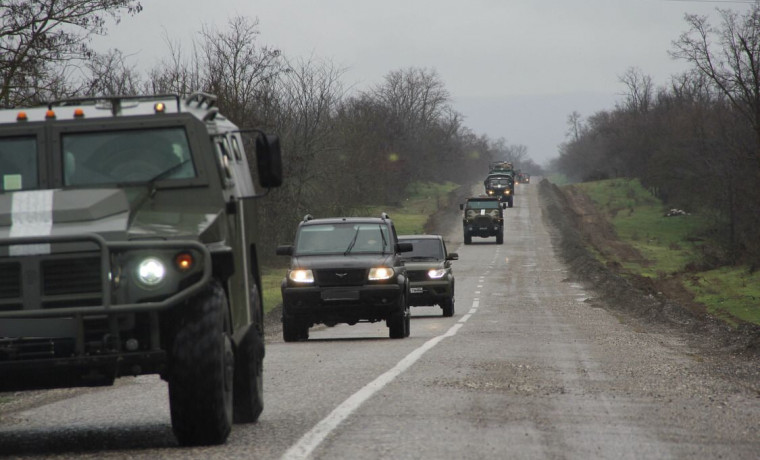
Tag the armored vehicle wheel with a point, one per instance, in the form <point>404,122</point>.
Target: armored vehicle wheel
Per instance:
<point>248,394</point>
<point>500,237</point>
<point>467,238</point>
<point>201,371</point>
<point>448,307</point>
<point>293,330</point>
<point>511,200</point>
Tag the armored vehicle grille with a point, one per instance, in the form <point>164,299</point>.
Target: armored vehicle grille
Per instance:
<point>483,220</point>
<point>10,280</point>
<point>71,276</point>
<point>341,277</point>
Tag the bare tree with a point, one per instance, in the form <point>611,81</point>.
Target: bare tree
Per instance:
<point>733,65</point>
<point>39,37</point>
<point>640,90</point>
<point>236,68</point>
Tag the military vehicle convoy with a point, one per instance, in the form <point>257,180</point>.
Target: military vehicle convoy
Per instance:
<point>500,182</point>
<point>483,217</point>
<point>128,246</point>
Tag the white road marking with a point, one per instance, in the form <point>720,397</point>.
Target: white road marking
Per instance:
<point>314,437</point>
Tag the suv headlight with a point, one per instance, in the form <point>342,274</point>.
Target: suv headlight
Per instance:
<point>437,273</point>
<point>301,276</point>
<point>151,272</point>
<point>380,273</point>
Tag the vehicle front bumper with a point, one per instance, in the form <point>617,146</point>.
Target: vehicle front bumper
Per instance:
<point>347,304</point>
<point>433,292</point>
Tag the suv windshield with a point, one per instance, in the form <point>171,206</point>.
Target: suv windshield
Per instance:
<point>110,157</point>
<point>342,238</point>
<point>18,163</point>
<point>424,248</point>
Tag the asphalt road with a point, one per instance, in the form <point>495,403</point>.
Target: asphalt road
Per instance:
<point>530,366</point>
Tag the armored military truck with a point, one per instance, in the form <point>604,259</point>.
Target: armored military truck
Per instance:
<point>483,217</point>
<point>501,186</point>
<point>128,247</point>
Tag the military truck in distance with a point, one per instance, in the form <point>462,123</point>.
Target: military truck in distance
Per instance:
<point>483,217</point>
<point>128,247</point>
<point>501,186</point>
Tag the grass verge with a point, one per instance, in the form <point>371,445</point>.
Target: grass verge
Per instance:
<point>672,246</point>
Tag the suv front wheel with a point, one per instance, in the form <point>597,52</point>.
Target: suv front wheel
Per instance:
<point>399,324</point>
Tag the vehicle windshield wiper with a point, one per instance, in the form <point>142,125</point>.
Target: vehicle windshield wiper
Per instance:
<point>385,242</point>
<point>164,174</point>
<point>352,243</point>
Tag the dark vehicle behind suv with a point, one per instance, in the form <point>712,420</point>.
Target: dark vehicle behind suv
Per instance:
<point>428,267</point>
<point>128,247</point>
<point>345,270</point>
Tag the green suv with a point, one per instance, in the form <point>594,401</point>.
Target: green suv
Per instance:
<point>428,267</point>
<point>345,270</point>
<point>128,246</point>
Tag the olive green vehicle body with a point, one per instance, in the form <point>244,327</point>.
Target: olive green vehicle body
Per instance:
<point>94,189</point>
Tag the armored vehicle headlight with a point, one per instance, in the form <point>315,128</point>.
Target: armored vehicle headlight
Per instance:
<point>301,276</point>
<point>437,273</point>
<point>151,271</point>
<point>380,273</point>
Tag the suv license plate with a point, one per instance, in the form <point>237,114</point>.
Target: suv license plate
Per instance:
<point>340,294</point>
<point>415,290</point>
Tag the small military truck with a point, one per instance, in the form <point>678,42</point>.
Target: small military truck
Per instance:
<point>483,217</point>
<point>128,247</point>
<point>345,270</point>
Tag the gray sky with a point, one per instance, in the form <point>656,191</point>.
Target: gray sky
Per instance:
<point>514,68</point>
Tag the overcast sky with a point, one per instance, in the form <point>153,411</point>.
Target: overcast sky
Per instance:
<point>514,68</point>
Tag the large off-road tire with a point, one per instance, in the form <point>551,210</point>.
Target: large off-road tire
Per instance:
<point>293,330</point>
<point>500,237</point>
<point>511,201</point>
<point>248,396</point>
<point>448,307</point>
<point>467,238</point>
<point>201,370</point>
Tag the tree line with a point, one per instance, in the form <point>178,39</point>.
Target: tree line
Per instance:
<point>342,149</point>
<point>695,143</point>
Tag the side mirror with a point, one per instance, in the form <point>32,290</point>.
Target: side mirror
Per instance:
<point>404,247</point>
<point>452,256</point>
<point>269,160</point>
<point>285,250</point>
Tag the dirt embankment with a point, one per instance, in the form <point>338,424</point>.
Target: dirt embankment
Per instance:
<point>654,305</point>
